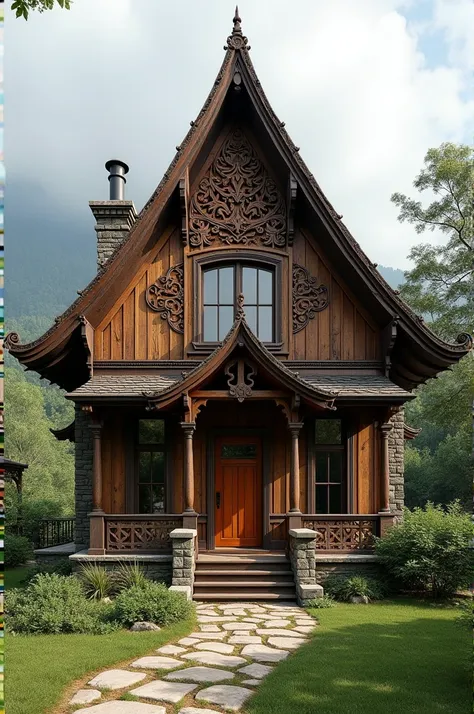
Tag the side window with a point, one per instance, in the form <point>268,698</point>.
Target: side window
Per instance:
<point>330,476</point>
<point>151,465</point>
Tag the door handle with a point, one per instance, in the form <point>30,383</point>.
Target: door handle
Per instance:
<point>218,499</point>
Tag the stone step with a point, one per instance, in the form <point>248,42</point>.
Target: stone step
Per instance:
<point>245,595</point>
<point>231,582</point>
<point>242,572</point>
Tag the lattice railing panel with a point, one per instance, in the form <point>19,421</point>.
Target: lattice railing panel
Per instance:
<point>140,535</point>
<point>347,535</point>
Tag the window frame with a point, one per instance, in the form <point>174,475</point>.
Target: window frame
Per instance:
<point>155,447</point>
<point>344,448</point>
<point>227,258</point>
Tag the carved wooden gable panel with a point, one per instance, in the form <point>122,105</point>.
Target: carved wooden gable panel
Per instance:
<point>237,202</point>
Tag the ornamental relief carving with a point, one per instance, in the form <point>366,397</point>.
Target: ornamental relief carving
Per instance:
<point>166,296</point>
<point>237,203</point>
<point>308,297</point>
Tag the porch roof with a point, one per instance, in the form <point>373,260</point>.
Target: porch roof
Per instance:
<point>358,385</point>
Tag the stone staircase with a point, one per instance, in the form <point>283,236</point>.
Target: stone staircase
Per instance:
<point>243,576</point>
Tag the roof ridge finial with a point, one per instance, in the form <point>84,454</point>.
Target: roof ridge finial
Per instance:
<point>237,29</point>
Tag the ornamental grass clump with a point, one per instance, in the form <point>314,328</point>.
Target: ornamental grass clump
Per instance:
<point>129,574</point>
<point>431,550</point>
<point>97,581</point>
<point>357,586</point>
<point>152,602</point>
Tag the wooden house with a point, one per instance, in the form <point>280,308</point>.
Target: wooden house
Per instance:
<point>238,365</point>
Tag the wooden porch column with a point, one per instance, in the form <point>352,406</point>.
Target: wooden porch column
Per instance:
<point>385,481</point>
<point>96,518</point>
<point>294,428</point>
<point>188,428</point>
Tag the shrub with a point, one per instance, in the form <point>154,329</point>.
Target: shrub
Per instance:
<point>152,602</point>
<point>129,574</point>
<point>322,603</point>
<point>18,550</point>
<point>97,581</point>
<point>52,604</point>
<point>344,588</point>
<point>466,616</point>
<point>431,550</point>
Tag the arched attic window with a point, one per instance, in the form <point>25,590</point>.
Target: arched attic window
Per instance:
<point>221,284</point>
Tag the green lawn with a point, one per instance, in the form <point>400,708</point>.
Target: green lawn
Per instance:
<point>401,657</point>
<point>15,577</point>
<point>40,667</point>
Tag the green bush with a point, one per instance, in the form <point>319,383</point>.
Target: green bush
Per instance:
<point>18,550</point>
<point>322,603</point>
<point>344,588</point>
<point>466,616</point>
<point>129,574</point>
<point>152,602</point>
<point>97,581</point>
<point>431,550</point>
<point>53,604</point>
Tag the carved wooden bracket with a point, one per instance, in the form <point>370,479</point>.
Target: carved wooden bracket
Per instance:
<point>166,296</point>
<point>183,204</point>
<point>290,408</point>
<point>308,297</point>
<point>292,191</point>
<point>240,384</point>
<point>87,334</point>
<point>237,203</point>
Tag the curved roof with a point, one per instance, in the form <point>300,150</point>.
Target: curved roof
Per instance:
<point>59,354</point>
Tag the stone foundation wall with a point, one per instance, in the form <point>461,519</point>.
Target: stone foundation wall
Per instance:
<point>83,478</point>
<point>159,571</point>
<point>347,569</point>
<point>396,449</point>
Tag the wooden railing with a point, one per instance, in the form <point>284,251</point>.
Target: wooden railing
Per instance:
<point>343,533</point>
<point>134,532</point>
<point>55,531</point>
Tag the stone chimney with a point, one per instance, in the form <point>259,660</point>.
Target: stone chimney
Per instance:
<point>114,217</point>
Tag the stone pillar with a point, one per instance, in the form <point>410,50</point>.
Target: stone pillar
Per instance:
<point>184,555</point>
<point>114,220</point>
<point>295,428</point>
<point>188,476</point>
<point>303,562</point>
<point>385,471</point>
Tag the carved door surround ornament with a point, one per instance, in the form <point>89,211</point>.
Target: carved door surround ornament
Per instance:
<point>308,297</point>
<point>240,382</point>
<point>237,202</point>
<point>166,296</point>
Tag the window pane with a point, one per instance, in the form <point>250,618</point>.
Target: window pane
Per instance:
<point>335,466</point>
<point>265,324</point>
<point>144,467</point>
<point>322,466</point>
<point>151,431</point>
<point>265,287</point>
<point>226,286</point>
<point>249,285</point>
<point>210,324</point>
<point>210,287</point>
<point>144,499</point>
<point>321,499</point>
<point>158,467</point>
<point>238,451</point>
<point>158,495</point>
<point>226,318</point>
<point>335,505</point>
<point>251,316</point>
<point>328,431</point>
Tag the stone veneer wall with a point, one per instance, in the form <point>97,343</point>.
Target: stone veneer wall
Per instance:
<point>114,220</point>
<point>396,448</point>
<point>83,478</point>
<point>346,569</point>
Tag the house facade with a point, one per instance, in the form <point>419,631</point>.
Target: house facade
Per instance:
<point>238,365</point>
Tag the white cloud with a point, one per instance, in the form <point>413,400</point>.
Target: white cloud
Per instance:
<point>349,79</point>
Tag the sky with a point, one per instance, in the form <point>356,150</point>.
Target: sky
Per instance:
<point>365,87</point>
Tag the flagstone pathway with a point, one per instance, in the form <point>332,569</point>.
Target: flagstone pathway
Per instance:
<point>215,669</point>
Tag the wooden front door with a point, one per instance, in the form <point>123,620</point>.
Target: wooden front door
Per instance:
<point>238,497</point>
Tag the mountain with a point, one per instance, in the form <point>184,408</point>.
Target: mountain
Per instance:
<point>393,276</point>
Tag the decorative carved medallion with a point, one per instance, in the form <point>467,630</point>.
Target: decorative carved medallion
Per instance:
<point>240,380</point>
<point>237,202</point>
<point>166,296</point>
<point>308,297</point>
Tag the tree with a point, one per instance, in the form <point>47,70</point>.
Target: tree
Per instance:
<point>22,8</point>
<point>441,285</point>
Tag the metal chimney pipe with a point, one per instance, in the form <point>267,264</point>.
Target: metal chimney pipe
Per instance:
<point>117,170</point>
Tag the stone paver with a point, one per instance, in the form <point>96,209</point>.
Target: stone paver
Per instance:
<point>85,696</point>
<point>214,658</point>
<point>201,674</point>
<point>162,691</point>
<point>119,707</point>
<point>116,679</point>
<point>225,695</point>
<point>210,652</point>
<point>262,653</point>
<point>221,647</point>
<point>256,671</point>
<point>172,650</point>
